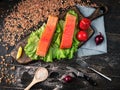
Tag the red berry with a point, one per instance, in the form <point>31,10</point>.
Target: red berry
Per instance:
<point>85,23</point>
<point>99,39</point>
<point>67,78</point>
<point>82,36</point>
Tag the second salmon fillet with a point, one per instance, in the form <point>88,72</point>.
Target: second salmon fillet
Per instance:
<point>68,32</point>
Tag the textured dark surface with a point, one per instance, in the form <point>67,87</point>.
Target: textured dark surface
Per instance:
<point>109,63</point>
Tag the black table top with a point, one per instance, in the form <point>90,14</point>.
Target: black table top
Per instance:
<point>108,63</point>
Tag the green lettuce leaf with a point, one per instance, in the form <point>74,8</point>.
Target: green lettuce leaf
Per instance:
<point>54,52</point>
<point>31,46</point>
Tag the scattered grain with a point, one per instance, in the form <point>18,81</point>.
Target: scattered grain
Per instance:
<point>12,68</point>
<point>6,48</point>
<point>2,57</point>
<point>12,76</point>
<point>7,55</point>
<point>1,79</point>
<point>3,60</point>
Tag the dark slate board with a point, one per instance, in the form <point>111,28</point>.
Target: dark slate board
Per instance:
<point>109,63</point>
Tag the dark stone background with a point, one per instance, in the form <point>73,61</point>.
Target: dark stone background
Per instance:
<point>109,63</point>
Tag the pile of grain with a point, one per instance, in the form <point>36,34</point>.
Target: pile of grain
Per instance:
<point>28,13</point>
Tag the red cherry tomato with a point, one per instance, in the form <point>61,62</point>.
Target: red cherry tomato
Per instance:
<point>84,23</point>
<point>67,78</point>
<point>82,36</point>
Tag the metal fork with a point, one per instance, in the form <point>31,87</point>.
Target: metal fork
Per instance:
<point>86,65</point>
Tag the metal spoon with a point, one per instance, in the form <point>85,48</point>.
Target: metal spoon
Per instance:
<point>86,65</point>
<point>40,75</point>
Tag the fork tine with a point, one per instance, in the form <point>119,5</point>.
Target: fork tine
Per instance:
<point>82,63</point>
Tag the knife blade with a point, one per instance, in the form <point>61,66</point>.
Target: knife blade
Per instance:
<point>80,74</point>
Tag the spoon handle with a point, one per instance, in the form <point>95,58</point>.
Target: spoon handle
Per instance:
<point>100,73</point>
<point>30,85</point>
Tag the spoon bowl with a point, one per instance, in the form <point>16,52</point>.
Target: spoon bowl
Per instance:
<point>41,74</point>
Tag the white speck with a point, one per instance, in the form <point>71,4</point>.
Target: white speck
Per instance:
<point>58,87</point>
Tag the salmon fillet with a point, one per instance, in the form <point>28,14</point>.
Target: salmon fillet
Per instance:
<point>46,38</point>
<point>68,31</point>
